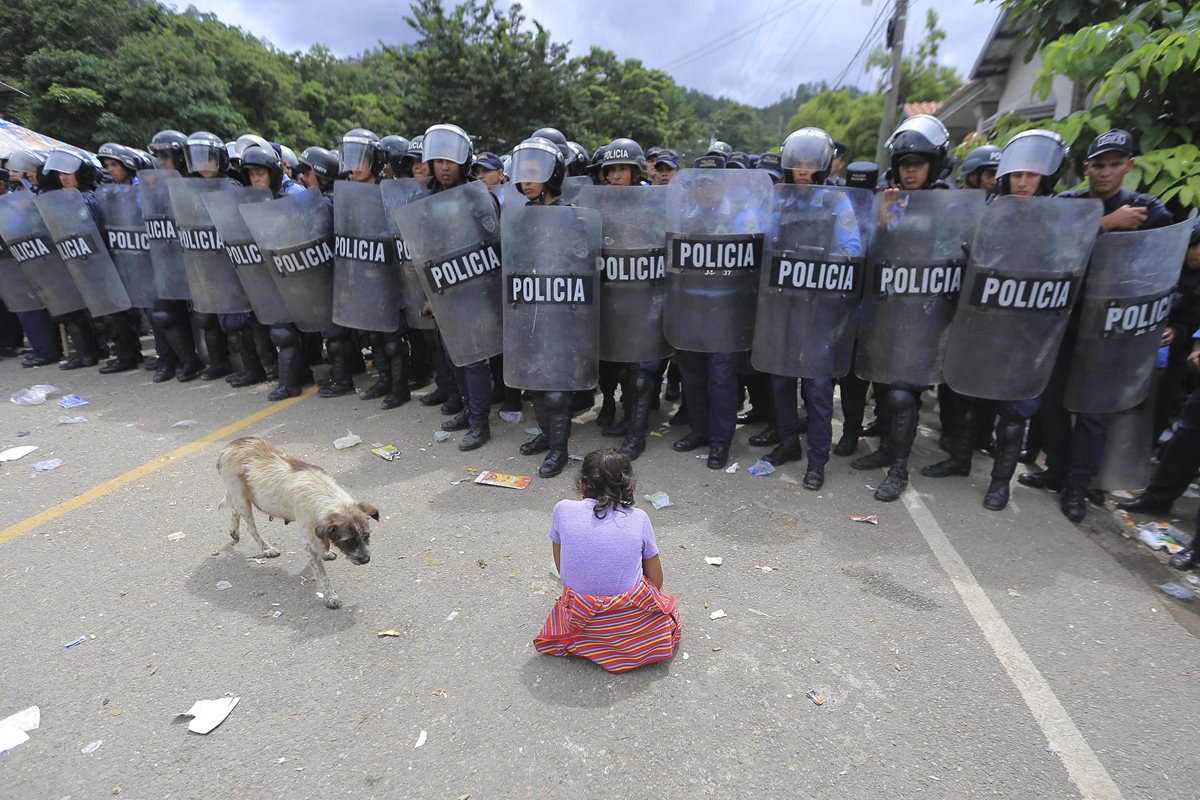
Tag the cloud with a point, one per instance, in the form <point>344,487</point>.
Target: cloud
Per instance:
<point>754,56</point>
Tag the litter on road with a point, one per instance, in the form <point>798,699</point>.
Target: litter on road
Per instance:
<point>1178,592</point>
<point>208,714</point>
<point>811,694</point>
<point>421,740</point>
<point>92,747</point>
<point>713,561</point>
<point>732,468</point>
<point>72,420</point>
<point>14,729</point>
<point>503,480</point>
<point>658,500</point>
<point>223,585</point>
<point>76,642</point>
<point>870,519</point>
<point>349,440</point>
<point>48,464</point>
<point>34,395</point>
<point>514,417</point>
<point>441,436</point>
<point>388,452</point>
<point>718,614</point>
<point>761,467</point>
<point>72,401</point>
<point>186,423</point>
<point>13,453</point>
<point>176,536</point>
<point>389,633</point>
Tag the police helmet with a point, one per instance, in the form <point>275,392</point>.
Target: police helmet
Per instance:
<point>322,162</point>
<point>169,144</point>
<point>920,135</point>
<point>622,151</point>
<point>121,154</point>
<point>268,159</point>
<point>577,162</point>
<point>448,142</point>
<point>360,150</point>
<point>27,160</point>
<point>719,148</point>
<point>62,160</point>
<point>288,156</point>
<point>1039,151</point>
<point>556,136</point>
<point>809,149</point>
<point>984,157</point>
<point>235,157</point>
<point>205,150</point>
<point>251,140</point>
<point>862,175</point>
<point>538,160</point>
<point>145,160</point>
<point>1194,238</point>
<point>394,149</point>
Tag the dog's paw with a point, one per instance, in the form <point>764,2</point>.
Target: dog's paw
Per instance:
<point>270,552</point>
<point>237,537</point>
<point>332,601</point>
<point>329,555</point>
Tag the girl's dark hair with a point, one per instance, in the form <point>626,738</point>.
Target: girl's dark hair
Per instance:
<point>607,477</point>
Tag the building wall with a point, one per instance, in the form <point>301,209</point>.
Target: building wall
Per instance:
<point>1018,89</point>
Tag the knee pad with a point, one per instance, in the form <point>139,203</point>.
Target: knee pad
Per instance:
<point>284,336</point>
<point>901,399</point>
<point>394,345</point>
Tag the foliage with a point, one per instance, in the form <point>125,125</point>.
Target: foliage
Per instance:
<point>849,117</point>
<point>1141,68</point>
<point>922,78</point>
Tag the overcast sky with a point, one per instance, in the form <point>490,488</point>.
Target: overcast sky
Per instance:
<point>768,49</point>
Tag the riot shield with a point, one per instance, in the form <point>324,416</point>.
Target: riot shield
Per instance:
<point>454,239</point>
<point>1126,300</point>
<point>252,271</point>
<point>82,249</point>
<point>716,222</point>
<point>26,237</point>
<point>1128,445</point>
<point>633,288</point>
<point>124,231</point>
<point>170,276</point>
<point>811,283</point>
<point>571,187</point>
<point>366,281</point>
<point>16,291</point>
<point>295,236</point>
<point>214,284</point>
<point>1027,260</point>
<point>914,273</point>
<point>396,194</point>
<point>551,314</point>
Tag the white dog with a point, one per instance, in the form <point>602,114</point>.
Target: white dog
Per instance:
<point>258,474</point>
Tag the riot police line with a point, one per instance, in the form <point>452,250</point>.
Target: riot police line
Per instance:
<point>566,273</point>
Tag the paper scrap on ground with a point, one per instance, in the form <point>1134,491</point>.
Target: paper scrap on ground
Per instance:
<point>816,698</point>
<point>870,519</point>
<point>718,614</point>
<point>732,468</point>
<point>391,633</point>
<point>659,500</point>
<point>72,401</point>
<point>72,420</point>
<point>13,453</point>
<point>92,747</point>
<point>208,714</point>
<point>389,452</point>
<point>349,440</point>
<point>421,740</point>
<point>712,561</point>
<point>176,536</point>
<point>451,616</point>
<point>490,478</point>
<point>14,729</point>
<point>763,568</point>
<point>48,464</point>
<point>186,423</point>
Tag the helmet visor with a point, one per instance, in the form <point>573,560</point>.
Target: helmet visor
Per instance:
<point>1037,154</point>
<point>357,154</point>
<point>63,161</point>
<point>532,165</point>
<point>807,150</point>
<point>930,127</point>
<point>447,143</point>
<point>202,155</point>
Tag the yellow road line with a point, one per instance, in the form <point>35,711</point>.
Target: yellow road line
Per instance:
<point>150,467</point>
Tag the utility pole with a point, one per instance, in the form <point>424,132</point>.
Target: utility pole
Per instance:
<point>893,93</point>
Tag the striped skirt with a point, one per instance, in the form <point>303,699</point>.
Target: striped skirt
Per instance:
<point>619,632</point>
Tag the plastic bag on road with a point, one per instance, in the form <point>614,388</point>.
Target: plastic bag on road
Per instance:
<point>34,395</point>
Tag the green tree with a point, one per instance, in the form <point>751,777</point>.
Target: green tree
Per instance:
<point>1139,66</point>
<point>740,126</point>
<point>922,78</point>
<point>849,117</point>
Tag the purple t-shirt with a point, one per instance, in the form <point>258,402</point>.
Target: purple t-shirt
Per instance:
<point>601,556</point>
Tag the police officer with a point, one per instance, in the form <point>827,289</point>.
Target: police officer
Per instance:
<point>206,157</point>
<point>489,169</point>
<point>447,151</point>
<point>919,147</point>
<point>577,163</point>
<point>173,339</point>
<point>363,159</point>
<point>261,166</point>
<point>395,148</point>
<point>666,165</point>
<point>541,157</point>
<point>1074,444</point>
<point>1176,337</point>
<point>318,170</point>
<point>414,163</point>
<point>1029,166</point>
<point>978,169</point>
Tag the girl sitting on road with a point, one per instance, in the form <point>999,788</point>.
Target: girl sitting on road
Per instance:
<point>612,610</point>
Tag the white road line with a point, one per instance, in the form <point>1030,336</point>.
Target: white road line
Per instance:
<point>1084,768</point>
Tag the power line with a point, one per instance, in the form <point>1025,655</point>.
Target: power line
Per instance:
<point>862,47</point>
<point>746,52</point>
<point>726,40</point>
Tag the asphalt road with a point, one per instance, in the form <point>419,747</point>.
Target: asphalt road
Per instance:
<point>960,653</point>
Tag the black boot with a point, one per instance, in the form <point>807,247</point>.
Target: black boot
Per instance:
<point>246,349</point>
<point>895,482</point>
<point>1187,558</point>
<point>814,476</point>
<point>82,333</point>
<point>183,345</point>
<point>1073,503</point>
<point>608,412</point>
<point>436,397</point>
<point>396,350</point>
<point>476,437</point>
<point>628,398</point>
<point>218,352</point>
<point>383,383</point>
<point>1146,503</point>
<point>289,369</point>
<point>847,444</point>
<point>885,454</point>
<point>644,389</point>
<point>785,452</point>
<point>541,442</point>
<point>958,445</point>
<point>459,422</point>
<point>122,328</point>
<point>559,433</point>
<point>341,381</point>
<point>1010,434</point>
<point>1041,480</point>
<point>765,438</point>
